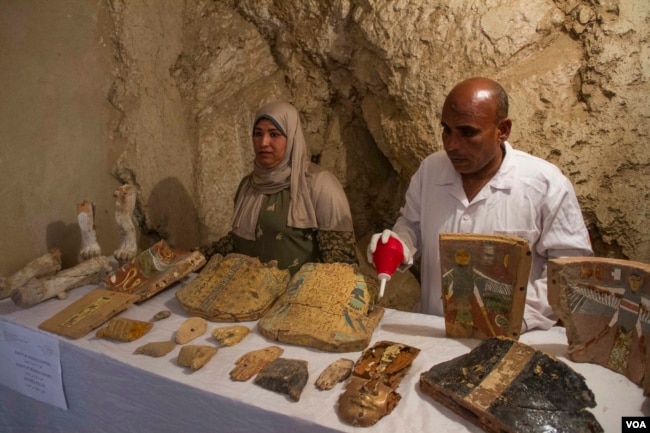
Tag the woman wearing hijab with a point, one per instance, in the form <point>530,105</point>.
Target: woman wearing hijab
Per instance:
<point>288,209</point>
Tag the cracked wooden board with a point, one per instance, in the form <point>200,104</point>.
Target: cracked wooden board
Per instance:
<point>234,288</point>
<point>508,387</point>
<point>88,313</point>
<point>154,270</point>
<point>484,283</point>
<point>327,306</point>
<point>605,306</point>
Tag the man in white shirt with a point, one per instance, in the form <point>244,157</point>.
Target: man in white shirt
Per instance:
<point>480,184</point>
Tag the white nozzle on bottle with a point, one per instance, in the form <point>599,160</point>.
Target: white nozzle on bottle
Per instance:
<point>382,278</point>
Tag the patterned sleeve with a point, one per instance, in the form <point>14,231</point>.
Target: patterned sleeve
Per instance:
<point>337,247</point>
<point>223,246</point>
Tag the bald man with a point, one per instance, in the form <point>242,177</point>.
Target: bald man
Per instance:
<point>480,184</point>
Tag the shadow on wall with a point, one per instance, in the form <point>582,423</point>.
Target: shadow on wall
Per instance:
<point>171,215</point>
<point>67,238</point>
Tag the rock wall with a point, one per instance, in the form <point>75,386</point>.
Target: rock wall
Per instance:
<point>369,78</point>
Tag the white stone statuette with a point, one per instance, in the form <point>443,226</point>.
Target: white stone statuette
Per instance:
<point>125,197</point>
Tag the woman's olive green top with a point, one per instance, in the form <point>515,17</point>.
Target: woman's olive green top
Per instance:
<point>290,247</point>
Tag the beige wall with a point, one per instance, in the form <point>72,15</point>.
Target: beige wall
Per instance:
<point>55,147</point>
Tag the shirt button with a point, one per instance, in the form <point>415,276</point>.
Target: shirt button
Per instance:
<point>465,217</point>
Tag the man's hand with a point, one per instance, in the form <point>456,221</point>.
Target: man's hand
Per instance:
<point>372,246</point>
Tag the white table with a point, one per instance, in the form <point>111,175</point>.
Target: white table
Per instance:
<point>110,389</point>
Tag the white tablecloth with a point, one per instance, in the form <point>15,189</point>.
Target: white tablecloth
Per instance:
<point>108,388</point>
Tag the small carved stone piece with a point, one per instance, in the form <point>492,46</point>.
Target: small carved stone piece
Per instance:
<point>508,387</point>
<point>156,349</point>
<point>92,271</point>
<point>86,219</point>
<point>249,364</point>
<point>195,356</point>
<point>124,329</point>
<point>161,315</point>
<point>336,372</point>
<point>370,394</point>
<point>230,335</point>
<point>190,329</point>
<point>125,197</point>
<point>43,266</point>
<point>284,376</point>
<point>327,306</point>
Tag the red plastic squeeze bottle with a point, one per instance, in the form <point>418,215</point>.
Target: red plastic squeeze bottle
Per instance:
<point>387,258</point>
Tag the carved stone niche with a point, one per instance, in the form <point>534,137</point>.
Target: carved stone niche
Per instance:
<point>484,281</point>
<point>605,306</point>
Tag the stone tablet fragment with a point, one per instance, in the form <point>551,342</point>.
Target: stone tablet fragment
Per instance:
<point>124,329</point>
<point>156,349</point>
<point>284,376</point>
<point>251,363</point>
<point>234,288</point>
<point>161,315</point>
<point>336,372</point>
<point>195,356</point>
<point>190,329</point>
<point>507,387</point>
<point>371,394</point>
<point>327,306</point>
<point>230,335</point>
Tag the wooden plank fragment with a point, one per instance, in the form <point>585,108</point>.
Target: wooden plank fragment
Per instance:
<point>336,372</point>
<point>284,376</point>
<point>605,306</point>
<point>327,306</point>
<point>88,313</point>
<point>505,386</point>
<point>251,363</point>
<point>234,288</point>
<point>154,270</point>
<point>484,283</point>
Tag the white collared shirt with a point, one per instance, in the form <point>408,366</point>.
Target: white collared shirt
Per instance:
<point>528,197</point>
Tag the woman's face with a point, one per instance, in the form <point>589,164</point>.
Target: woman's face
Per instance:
<point>269,144</point>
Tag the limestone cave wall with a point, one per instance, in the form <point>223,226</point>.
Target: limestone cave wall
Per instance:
<point>369,78</point>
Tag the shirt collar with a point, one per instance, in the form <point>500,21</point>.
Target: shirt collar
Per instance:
<point>503,179</point>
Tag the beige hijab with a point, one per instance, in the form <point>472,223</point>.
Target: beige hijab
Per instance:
<point>331,210</point>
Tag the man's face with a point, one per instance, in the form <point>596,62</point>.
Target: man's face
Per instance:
<point>269,144</point>
<point>471,135</point>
